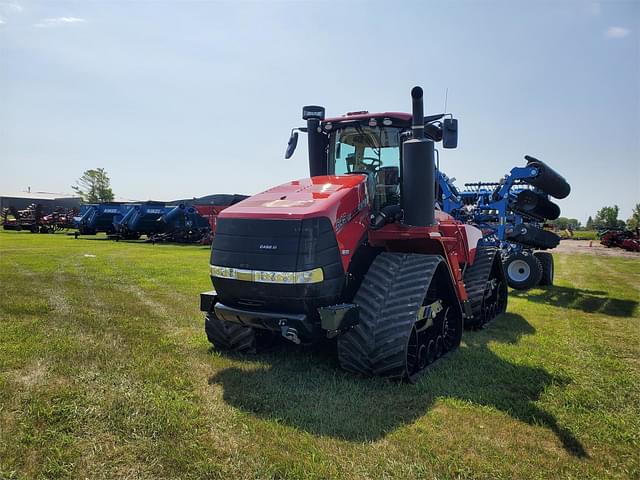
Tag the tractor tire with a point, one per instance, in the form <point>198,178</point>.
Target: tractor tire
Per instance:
<point>229,336</point>
<point>524,271</point>
<point>548,270</point>
<point>391,339</point>
<point>486,287</point>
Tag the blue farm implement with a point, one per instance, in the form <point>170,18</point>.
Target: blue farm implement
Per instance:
<point>99,217</point>
<point>182,224</point>
<point>141,219</point>
<point>511,214</point>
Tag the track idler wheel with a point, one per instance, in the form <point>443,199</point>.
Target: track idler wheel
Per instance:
<point>547,180</point>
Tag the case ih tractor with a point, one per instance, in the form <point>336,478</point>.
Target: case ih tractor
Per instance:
<point>358,251</point>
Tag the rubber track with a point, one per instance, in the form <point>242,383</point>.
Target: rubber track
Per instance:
<point>475,282</point>
<point>391,293</point>
<point>229,336</point>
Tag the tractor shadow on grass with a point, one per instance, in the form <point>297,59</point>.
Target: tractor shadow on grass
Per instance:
<point>588,301</point>
<point>305,388</point>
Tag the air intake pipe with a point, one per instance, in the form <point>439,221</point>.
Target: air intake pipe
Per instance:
<point>418,170</point>
<point>317,141</point>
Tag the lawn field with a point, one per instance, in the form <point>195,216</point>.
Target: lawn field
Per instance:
<point>105,372</point>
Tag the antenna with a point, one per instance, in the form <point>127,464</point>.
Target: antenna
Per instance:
<point>446,97</point>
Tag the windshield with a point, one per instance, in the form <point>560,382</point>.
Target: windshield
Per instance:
<point>374,151</point>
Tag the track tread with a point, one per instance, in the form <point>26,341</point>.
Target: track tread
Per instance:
<point>476,277</point>
<point>475,280</point>
<point>229,336</point>
<point>389,298</point>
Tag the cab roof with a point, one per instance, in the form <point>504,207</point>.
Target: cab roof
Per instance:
<point>397,116</point>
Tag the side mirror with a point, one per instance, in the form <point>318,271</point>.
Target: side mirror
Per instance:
<point>450,133</point>
<point>291,145</point>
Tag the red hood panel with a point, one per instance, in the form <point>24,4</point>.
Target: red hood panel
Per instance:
<point>307,197</point>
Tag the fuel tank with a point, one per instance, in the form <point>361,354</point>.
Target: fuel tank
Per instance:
<point>287,249</point>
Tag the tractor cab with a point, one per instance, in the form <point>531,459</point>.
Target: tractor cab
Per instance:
<point>367,143</point>
<point>371,150</point>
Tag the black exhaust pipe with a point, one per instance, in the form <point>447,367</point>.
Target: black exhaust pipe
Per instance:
<point>317,141</point>
<point>418,170</point>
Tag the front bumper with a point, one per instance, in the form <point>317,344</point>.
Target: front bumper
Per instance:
<point>332,319</point>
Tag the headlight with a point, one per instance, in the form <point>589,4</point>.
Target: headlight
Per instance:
<point>310,276</point>
<point>274,277</point>
<point>224,272</point>
<point>264,276</point>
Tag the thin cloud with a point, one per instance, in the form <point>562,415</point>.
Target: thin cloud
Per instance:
<point>53,22</point>
<point>617,32</point>
<point>11,7</point>
<point>594,9</point>
<point>2,22</point>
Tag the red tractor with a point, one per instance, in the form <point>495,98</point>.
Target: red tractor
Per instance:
<point>359,251</point>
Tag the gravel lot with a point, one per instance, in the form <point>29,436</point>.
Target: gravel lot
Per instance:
<point>592,247</point>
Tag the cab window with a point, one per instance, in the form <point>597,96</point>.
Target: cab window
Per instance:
<point>374,151</point>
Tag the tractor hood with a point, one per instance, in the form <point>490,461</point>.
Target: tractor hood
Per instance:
<point>330,196</point>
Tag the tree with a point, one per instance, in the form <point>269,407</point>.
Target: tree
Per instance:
<point>607,217</point>
<point>634,220</point>
<point>94,186</point>
<point>589,225</point>
<point>564,223</point>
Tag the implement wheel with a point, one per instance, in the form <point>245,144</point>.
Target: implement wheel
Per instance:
<point>523,271</point>
<point>546,261</point>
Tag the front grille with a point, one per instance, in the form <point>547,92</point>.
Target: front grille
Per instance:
<point>278,245</point>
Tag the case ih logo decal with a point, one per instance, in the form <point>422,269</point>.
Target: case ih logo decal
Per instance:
<point>345,218</point>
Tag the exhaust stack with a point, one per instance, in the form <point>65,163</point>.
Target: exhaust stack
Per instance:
<point>317,142</point>
<point>418,170</point>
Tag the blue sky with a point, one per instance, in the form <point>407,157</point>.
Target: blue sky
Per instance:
<point>179,99</point>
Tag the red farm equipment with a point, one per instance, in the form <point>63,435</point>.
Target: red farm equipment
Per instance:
<point>357,252</point>
<point>34,220</point>
<point>625,239</point>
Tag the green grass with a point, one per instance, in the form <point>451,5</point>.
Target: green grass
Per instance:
<point>105,372</point>
<point>585,235</point>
